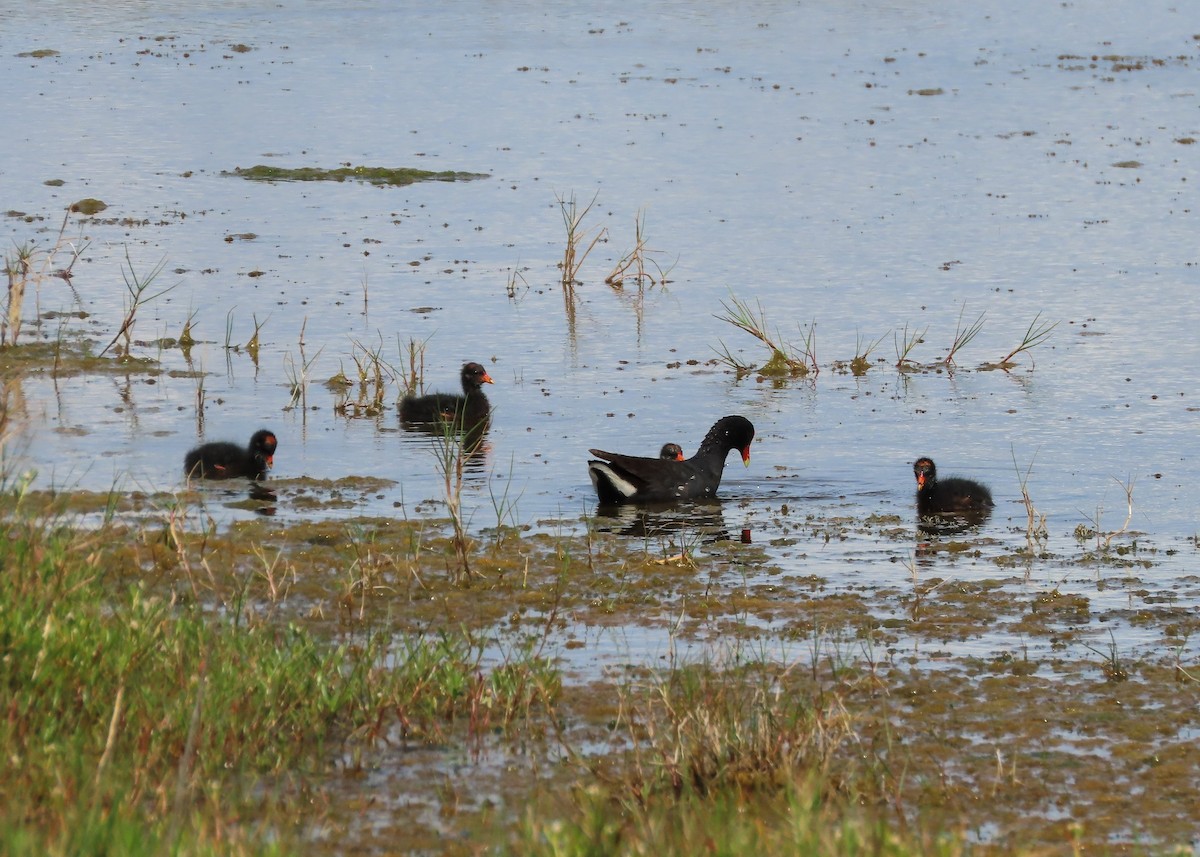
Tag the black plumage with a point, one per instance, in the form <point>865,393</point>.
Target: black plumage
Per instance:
<point>635,479</point>
<point>225,460</point>
<point>940,496</point>
<point>469,409</point>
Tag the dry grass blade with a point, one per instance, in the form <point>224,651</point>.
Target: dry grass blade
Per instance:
<point>23,270</point>
<point>411,375</point>
<point>579,246</point>
<point>634,264</point>
<point>1035,523</point>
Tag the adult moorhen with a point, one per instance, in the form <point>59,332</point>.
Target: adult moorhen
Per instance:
<point>633,479</point>
<point>225,460</point>
<point>951,495</point>
<point>671,452</point>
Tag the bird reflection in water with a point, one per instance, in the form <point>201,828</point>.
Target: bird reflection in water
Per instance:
<point>260,493</point>
<point>931,528</point>
<point>703,521</point>
<point>468,443</point>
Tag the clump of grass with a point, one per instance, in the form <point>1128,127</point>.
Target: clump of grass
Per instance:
<point>1036,334</point>
<point>962,336</point>
<point>451,449</point>
<point>750,753</point>
<point>1105,538</point>
<point>298,373</point>
<point>186,338</point>
<point>904,345</point>
<point>862,354</point>
<point>580,241</point>
<point>785,359</point>
<point>253,344</point>
<point>374,375</point>
<point>137,287</point>
<point>516,286</point>
<point>411,376</point>
<point>1035,524</point>
<point>637,263</point>
<point>26,266</point>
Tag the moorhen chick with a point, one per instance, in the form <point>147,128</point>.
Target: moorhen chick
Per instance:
<point>468,409</point>
<point>225,460</point>
<point>633,479</point>
<point>936,497</point>
<point>671,452</point>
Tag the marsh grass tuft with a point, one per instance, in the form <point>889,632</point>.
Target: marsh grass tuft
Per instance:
<point>962,336</point>
<point>411,374</point>
<point>374,376</point>
<point>1105,538</point>
<point>252,345</point>
<point>1036,334</point>
<point>863,348</point>
<point>29,266</point>
<point>452,447</point>
<point>1035,523</point>
<point>137,287</point>
<point>637,263</point>
<point>298,374</point>
<point>904,342</point>
<point>785,359</point>
<point>580,241</point>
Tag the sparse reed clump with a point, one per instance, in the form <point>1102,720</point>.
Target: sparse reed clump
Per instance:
<point>29,266</point>
<point>785,359</point>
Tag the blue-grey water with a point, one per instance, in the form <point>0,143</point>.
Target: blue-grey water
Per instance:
<point>860,167</point>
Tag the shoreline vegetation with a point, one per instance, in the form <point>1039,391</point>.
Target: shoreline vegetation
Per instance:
<point>426,684</point>
<point>331,686</point>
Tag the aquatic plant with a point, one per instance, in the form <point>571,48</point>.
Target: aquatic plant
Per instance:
<point>862,353</point>
<point>374,376</point>
<point>516,286</point>
<point>26,266</point>
<point>396,176</point>
<point>252,344</point>
<point>636,262</point>
<point>298,374</point>
<point>1035,524</point>
<point>1036,334</point>
<point>904,347</point>
<point>962,336</point>
<point>136,287</point>
<point>785,358</point>
<point>411,375</point>
<point>1104,538</point>
<point>452,447</point>
<point>580,241</point>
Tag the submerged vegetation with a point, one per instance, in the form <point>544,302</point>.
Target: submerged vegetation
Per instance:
<point>395,176</point>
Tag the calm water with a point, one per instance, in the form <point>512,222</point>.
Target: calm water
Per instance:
<point>856,166</point>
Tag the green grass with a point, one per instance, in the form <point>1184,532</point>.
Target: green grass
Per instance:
<point>136,723</point>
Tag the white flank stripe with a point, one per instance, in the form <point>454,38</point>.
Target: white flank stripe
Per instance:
<point>599,470</point>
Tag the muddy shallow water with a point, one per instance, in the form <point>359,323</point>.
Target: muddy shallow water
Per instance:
<point>858,168</point>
